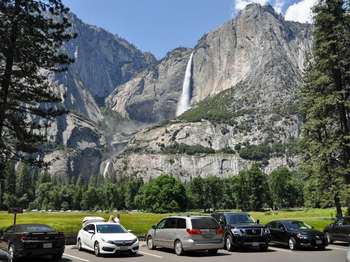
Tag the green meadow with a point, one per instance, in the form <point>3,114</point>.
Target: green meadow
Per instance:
<point>139,223</point>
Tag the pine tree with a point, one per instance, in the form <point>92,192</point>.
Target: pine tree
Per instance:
<point>325,104</point>
<point>32,33</point>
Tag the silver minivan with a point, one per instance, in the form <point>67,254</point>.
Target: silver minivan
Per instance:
<point>187,233</point>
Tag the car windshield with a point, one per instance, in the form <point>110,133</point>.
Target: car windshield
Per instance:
<point>34,228</point>
<point>110,229</point>
<point>239,219</point>
<point>295,225</point>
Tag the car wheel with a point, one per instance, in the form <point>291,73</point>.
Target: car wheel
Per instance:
<point>150,243</point>
<point>229,243</point>
<point>79,246</point>
<point>97,249</point>
<point>329,238</point>
<point>264,248</point>
<point>212,251</point>
<point>178,248</point>
<point>292,243</point>
<point>57,257</point>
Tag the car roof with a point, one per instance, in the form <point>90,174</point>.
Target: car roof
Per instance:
<point>197,216</point>
<point>232,213</point>
<point>103,223</point>
<point>284,221</point>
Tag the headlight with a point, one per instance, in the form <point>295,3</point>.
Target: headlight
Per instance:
<point>301,236</point>
<point>236,232</point>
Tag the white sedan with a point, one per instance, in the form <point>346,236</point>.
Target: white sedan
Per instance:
<point>107,238</point>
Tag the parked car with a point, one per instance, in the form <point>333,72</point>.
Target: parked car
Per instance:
<point>348,255</point>
<point>24,240</point>
<point>107,238</point>
<point>339,230</point>
<point>295,234</point>
<point>191,233</point>
<point>241,230</point>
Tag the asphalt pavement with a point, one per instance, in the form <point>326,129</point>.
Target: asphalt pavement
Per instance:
<point>333,253</point>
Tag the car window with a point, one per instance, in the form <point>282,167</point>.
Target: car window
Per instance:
<point>271,225</point>
<point>110,229</point>
<point>86,228</point>
<point>9,229</point>
<point>296,225</point>
<point>171,223</point>
<point>239,219</point>
<point>339,221</point>
<point>280,226</point>
<point>204,223</point>
<point>34,228</point>
<point>89,227</point>
<point>346,221</point>
<point>161,224</point>
<point>181,223</point>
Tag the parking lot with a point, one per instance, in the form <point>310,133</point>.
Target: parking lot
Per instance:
<point>333,253</point>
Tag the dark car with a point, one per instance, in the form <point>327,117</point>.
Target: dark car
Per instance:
<point>241,230</point>
<point>296,234</point>
<point>339,230</point>
<point>25,240</point>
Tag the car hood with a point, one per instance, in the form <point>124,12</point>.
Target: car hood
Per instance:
<point>243,226</point>
<point>119,236</point>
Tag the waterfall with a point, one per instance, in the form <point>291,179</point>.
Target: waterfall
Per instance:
<point>106,169</point>
<point>185,99</point>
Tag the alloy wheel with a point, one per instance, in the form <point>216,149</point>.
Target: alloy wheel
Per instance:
<point>178,248</point>
<point>291,243</point>
<point>150,244</point>
<point>97,249</point>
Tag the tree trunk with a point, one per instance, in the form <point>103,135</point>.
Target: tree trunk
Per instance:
<point>338,205</point>
<point>6,78</point>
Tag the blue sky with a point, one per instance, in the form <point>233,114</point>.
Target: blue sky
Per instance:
<point>161,25</point>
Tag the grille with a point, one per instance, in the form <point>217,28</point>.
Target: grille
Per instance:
<point>123,243</point>
<point>253,231</point>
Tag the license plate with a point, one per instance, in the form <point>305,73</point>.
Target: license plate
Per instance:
<point>47,245</point>
<point>318,242</point>
<point>123,248</point>
<point>255,244</point>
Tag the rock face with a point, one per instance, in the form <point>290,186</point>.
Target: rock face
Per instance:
<point>102,62</point>
<point>152,96</point>
<point>258,47</point>
<point>244,80</point>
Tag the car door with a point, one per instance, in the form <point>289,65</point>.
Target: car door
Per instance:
<point>280,233</point>
<point>344,230</point>
<point>338,229</point>
<point>170,232</point>
<point>87,237</point>
<point>159,236</point>
<point>273,230</point>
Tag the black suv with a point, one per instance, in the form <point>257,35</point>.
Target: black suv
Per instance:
<point>241,230</point>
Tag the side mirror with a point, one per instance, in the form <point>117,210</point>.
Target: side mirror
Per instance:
<point>91,232</point>
<point>154,226</point>
<point>258,221</point>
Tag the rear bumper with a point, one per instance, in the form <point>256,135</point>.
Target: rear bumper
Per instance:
<point>189,245</point>
<point>38,252</point>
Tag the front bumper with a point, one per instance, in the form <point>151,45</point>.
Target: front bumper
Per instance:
<point>251,241</point>
<point>192,245</point>
<point>108,248</point>
<point>312,242</point>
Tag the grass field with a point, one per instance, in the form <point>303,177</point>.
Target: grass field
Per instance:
<point>70,222</point>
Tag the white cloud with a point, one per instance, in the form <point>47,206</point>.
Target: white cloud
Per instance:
<point>278,6</point>
<point>301,11</point>
<point>241,4</point>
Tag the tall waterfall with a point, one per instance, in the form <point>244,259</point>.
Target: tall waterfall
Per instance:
<point>185,99</point>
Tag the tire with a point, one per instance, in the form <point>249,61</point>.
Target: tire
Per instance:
<point>79,246</point>
<point>57,256</point>
<point>329,238</point>
<point>150,243</point>
<point>97,249</point>
<point>229,243</point>
<point>212,251</point>
<point>292,243</point>
<point>12,253</point>
<point>179,251</point>
<point>263,248</point>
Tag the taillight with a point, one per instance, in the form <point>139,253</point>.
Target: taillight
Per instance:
<point>193,231</point>
<point>220,231</point>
